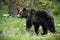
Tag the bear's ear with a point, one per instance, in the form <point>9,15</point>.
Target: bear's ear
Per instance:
<point>24,9</point>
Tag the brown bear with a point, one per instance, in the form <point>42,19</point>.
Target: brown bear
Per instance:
<point>38,18</point>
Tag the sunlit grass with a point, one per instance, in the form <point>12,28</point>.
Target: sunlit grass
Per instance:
<point>14,29</point>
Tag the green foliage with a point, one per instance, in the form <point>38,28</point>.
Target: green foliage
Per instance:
<point>51,6</point>
<point>57,10</point>
<point>4,10</point>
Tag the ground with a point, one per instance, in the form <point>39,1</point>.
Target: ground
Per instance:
<point>14,29</point>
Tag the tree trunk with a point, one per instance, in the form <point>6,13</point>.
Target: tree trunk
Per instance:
<point>12,8</point>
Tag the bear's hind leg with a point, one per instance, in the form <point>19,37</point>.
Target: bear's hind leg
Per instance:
<point>51,28</point>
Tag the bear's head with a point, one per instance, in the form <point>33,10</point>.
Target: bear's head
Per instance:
<point>25,12</point>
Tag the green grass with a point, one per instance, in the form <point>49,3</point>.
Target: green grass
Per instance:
<point>14,29</point>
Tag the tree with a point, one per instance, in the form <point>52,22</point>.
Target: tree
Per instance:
<point>12,8</point>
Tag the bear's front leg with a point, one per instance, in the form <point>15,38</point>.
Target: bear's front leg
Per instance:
<point>28,23</point>
<point>36,28</point>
